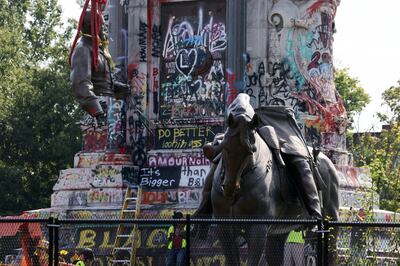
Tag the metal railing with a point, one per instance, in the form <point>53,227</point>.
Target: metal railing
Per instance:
<point>333,242</point>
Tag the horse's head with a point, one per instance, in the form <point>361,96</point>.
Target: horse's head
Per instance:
<point>238,148</point>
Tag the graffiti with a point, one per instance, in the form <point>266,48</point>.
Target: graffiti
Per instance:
<point>185,137</point>
<point>135,115</point>
<point>106,171</point>
<point>156,41</point>
<point>177,160</point>
<point>156,51</point>
<point>193,176</point>
<point>333,140</point>
<point>86,160</point>
<point>104,196</point>
<point>74,178</point>
<point>173,176</point>
<point>116,124</point>
<point>232,90</point>
<point>160,177</point>
<point>98,214</point>
<point>116,159</point>
<point>106,181</point>
<point>338,157</point>
<point>130,175</point>
<point>94,139</point>
<point>66,236</point>
<point>256,81</point>
<point>290,60</point>
<point>186,61</point>
<point>150,243</point>
<point>139,151</point>
<point>138,80</point>
<point>192,76</point>
<point>182,98</point>
<point>99,177</point>
<point>69,198</point>
<point>300,68</point>
<point>143,41</point>
<point>324,32</point>
<point>354,177</point>
<point>182,34</point>
<point>155,79</point>
<point>278,90</point>
<point>172,197</point>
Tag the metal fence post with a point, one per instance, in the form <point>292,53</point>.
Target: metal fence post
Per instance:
<point>319,242</point>
<point>326,242</point>
<point>51,240</point>
<point>188,239</point>
<point>53,225</point>
<point>56,241</point>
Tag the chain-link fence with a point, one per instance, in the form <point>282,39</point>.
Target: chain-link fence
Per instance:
<point>208,242</point>
<point>365,243</point>
<point>23,241</point>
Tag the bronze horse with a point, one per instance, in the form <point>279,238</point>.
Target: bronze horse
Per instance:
<point>247,183</point>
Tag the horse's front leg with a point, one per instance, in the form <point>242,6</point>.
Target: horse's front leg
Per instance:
<point>256,237</point>
<point>227,235</point>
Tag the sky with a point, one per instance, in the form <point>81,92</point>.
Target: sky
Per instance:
<point>367,42</point>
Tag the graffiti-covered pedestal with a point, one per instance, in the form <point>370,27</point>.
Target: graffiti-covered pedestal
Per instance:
<point>174,56</point>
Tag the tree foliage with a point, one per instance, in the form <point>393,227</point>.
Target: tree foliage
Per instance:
<point>353,95</point>
<point>380,152</point>
<point>38,135</point>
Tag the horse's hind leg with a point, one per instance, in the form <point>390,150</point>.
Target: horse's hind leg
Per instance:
<point>274,249</point>
<point>230,248</point>
<point>256,240</point>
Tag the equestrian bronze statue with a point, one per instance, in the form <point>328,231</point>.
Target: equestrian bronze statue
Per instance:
<point>262,170</point>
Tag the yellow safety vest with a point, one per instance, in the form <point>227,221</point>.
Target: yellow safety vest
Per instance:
<point>171,229</point>
<point>295,237</point>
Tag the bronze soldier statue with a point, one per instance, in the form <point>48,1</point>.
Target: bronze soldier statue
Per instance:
<point>91,66</point>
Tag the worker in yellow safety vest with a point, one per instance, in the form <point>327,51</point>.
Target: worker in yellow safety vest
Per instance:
<point>176,235</point>
<point>86,258</point>
<point>294,249</point>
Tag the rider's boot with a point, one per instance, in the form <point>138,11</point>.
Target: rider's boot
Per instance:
<point>304,179</point>
<point>302,174</point>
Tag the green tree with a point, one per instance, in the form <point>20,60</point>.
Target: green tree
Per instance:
<point>391,98</point>
<point>379,151</point>
<point>38,135</point>
<point>353,95</point>
<point>385,165</point>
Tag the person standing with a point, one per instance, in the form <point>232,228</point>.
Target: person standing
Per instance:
<point>86,257</point>
<point>358,238</point>
<point>176,247</point>
<point>294,249</point>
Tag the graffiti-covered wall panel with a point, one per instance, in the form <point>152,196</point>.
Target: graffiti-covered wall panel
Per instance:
<point>295,68</point>
<point>184,137</point>
<point>86,198</point>
<point>193,59</point>
<point>74,178</point>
